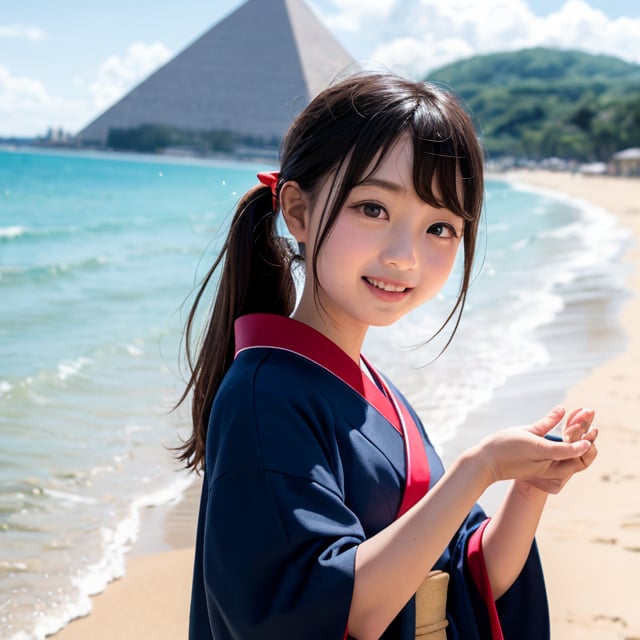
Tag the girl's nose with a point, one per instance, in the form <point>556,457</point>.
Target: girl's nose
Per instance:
<point>399,250</point>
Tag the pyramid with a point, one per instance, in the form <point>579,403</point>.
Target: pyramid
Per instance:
<point>250,74</point>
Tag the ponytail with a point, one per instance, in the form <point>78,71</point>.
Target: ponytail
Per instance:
<point>256,278</point>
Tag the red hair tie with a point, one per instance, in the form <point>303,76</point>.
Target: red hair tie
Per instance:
<point>270,179</point>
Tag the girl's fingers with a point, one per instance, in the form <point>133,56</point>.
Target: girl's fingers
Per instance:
<point>573,414</point>
<point>580,417</point>
<point>566,450</point>
<point>572,434</point>
<point>588,457</point>
<point>578,424</point>
<point>544,425</point>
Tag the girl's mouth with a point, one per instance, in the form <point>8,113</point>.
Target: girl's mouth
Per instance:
<point>386,286</point>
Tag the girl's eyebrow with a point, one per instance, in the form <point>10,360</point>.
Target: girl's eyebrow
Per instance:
<point>372,181</point>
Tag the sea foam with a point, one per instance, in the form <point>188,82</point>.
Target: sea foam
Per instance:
<point>8,233</point>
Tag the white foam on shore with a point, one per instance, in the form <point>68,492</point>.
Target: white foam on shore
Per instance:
<point>602,229</point>
<point>116,542</point>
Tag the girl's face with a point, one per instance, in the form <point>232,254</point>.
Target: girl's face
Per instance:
<point>387,253</point>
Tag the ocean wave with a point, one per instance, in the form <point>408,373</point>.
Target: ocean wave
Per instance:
<point>66,233</point>
<point>520,244</point>
<point>74,588</point>
<point>37,387</point>
<point>594,240</point>
<point>591,213</point>
<point>117,541</point>
<point>23,233</point>
<point>9,233</point>
<point>66,496</point>
<point>45,272</point>
<point>72,368</point>
<point>134,351</point>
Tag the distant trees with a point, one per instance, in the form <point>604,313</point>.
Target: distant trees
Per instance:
<point>154,138</point>
<point>147,138</point>
<point>539,103</point>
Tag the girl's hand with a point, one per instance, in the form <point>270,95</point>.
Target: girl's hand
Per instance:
<point>523,454</point>
<point>577,426</point>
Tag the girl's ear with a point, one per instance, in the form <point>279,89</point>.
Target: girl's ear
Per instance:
<point>296,210</point>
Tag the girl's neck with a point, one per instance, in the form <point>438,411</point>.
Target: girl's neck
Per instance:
<point>349,339</point>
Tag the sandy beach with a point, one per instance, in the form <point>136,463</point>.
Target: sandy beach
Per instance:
<point>590,534</point>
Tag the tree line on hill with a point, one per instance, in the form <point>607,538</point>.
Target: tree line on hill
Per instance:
<point>540,103</point>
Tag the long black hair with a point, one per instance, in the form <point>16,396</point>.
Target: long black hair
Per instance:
<point>345,132</point>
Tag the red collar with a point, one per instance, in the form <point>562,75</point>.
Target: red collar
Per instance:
<point>279,332</point>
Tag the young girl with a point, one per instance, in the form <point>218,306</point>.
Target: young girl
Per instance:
<point>325,507</point>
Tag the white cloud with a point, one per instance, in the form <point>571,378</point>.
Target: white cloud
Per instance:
<point>118,74</point>
<point>352,13</point>
<point>418,35</point>
<point>578,25</point>
<point>21,92</point>
<point>25,105</point>
<point>24,31</point>
<point>28,109</point>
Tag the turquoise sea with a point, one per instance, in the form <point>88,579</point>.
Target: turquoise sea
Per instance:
<point>99,255</point>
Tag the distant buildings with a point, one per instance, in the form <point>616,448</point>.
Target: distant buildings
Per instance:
<point>626,163</point>
<point>57,135</point>
<point>248,76</point>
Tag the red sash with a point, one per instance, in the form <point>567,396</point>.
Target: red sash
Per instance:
<point>280,332</point>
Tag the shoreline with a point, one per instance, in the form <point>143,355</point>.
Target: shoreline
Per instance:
<point>596,547</point>
<point>153,597</point>
<point>589,537</point>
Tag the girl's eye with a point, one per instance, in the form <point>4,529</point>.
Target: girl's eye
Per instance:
<point>442,230</point>
<point>372,210</point>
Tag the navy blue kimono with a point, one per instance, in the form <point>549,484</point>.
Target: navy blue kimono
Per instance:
<point>307,458</point>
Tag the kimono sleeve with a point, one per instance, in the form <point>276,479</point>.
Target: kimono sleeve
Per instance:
<point>520,614</point>
<point>277,542</point>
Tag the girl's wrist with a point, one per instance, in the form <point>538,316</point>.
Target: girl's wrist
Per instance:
<point>529,492</point>
<point>476,461</point>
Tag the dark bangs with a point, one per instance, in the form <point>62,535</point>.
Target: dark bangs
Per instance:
<point>447,159</point>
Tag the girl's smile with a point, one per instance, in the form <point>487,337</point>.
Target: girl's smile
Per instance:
<point>386,286</point>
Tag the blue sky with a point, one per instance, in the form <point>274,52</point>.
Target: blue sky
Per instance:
<point>63,63</point>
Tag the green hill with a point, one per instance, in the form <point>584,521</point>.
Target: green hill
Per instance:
<point>539,103</point>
